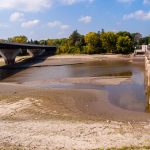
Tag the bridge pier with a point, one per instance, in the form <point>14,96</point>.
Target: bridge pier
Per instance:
<point>35,52</point>
<point>9,55</point>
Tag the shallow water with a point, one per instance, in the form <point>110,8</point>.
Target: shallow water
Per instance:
<point>127,95</point>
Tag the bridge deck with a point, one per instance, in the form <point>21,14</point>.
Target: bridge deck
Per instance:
<point>5,45</point>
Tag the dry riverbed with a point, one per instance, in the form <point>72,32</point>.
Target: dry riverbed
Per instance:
<point>37,118</point>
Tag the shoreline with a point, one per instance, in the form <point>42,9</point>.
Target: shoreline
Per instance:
<point>94,56</point>
<point>86,57</point>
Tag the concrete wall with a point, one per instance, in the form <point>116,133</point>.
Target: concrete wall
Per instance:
<point>144,48</point>
<point>147,78</point>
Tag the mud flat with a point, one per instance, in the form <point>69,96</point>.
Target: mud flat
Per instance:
<point>63,119</point>
<point>94,57</point>
<point>78,59</point>
<point>36,118</point>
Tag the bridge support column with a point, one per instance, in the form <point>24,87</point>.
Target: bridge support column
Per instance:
<point>9,55</point>
<point>35,52</point>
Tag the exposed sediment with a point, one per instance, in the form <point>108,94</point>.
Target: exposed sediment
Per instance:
<point>37,118</point>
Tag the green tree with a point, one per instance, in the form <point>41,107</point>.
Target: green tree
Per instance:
<point>18,39</point>
<point>109,40</point>
<point>43,42</point>
<point>124,33</point>
<point>136,39</point>
<point>124,45</point>
<point>149,40</point>
<point>74,38</point>
<point>92,41</point>
<point>144,41</point>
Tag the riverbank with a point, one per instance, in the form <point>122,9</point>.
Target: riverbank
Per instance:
<point>32,117</point>
<point>78,57</point>
<point>53,119</point>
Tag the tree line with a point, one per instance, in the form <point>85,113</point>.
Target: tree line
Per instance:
<point>121,42</point>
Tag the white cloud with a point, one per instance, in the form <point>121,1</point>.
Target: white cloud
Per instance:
<point>16,16</point>
<point>58,24</point>
<point>54,24</point>
<point>30,24</point>
<point>146,2</point>
<point>64,26</point>
<point>70,2</point>
<point>25,5</point>
<point>85,19</point>
<point>125,1</point>
<point>138,15</point>
<point>35,5</point>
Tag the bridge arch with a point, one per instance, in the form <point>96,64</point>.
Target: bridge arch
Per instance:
<point>35,52</point>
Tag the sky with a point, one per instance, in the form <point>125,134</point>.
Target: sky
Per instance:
<point>43,19</point>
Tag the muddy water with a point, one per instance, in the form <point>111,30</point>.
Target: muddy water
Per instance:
<point>127,95</point>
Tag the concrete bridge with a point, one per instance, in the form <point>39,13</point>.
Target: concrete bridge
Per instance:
<point>9,51</point>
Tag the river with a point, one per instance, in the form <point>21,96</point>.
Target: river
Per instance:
<point>128,95</point>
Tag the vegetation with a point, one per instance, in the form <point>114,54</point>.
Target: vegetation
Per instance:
<point>91,43</point>
<point>18,39</point>
<point>124,44</point>
<point>127,148</point>
<point>109,40</point>
<point>96,43</point>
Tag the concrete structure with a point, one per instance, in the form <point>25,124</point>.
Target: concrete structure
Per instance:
<point>9,51</point>
<point>35,52</point>
<point>144,48</point>
<point>147,77</point>
<point>141,51</point>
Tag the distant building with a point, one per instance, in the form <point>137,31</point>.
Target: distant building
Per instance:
<point>144,48</point>
<point>141,51</point>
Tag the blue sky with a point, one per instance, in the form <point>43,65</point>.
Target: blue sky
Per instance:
<point>42,19</point>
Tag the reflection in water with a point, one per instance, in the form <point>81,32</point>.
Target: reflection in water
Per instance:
<point>127,95</point>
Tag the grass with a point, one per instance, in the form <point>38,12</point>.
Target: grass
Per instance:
<point>128,148</point>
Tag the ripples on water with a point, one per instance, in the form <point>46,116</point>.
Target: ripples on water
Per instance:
<point>127,95</point>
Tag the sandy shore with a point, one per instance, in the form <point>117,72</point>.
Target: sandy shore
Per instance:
<point>96,56</point>
<point>80,80</point>
<point>36,118</point>
<point>54,119</point>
